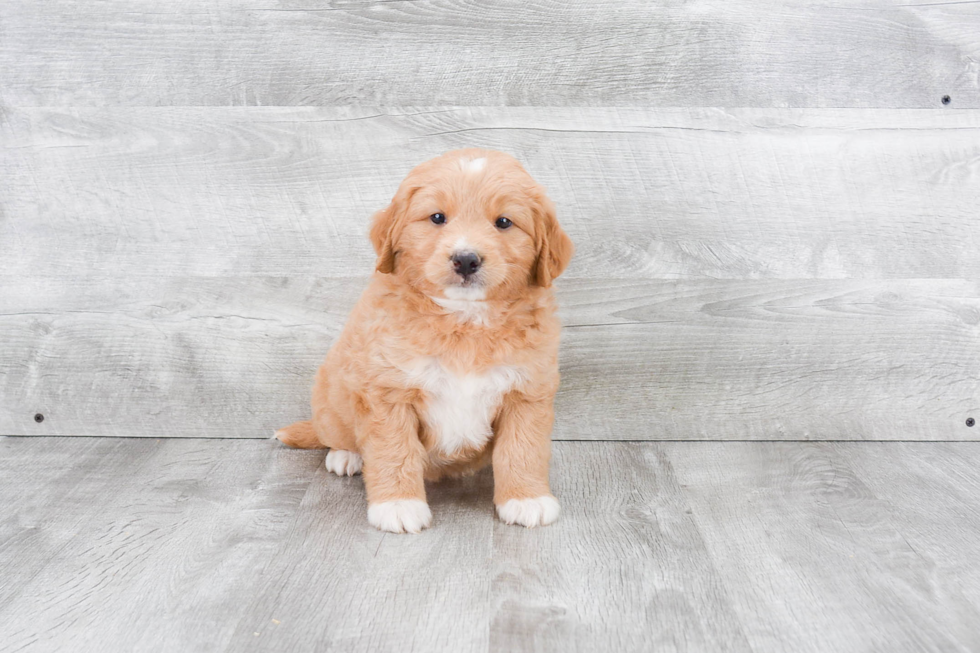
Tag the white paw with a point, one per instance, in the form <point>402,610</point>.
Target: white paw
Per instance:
<point>539,511</point>
<point>343,463</point>
<point>401,516</point>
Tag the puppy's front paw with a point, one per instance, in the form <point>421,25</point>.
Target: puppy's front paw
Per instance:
<point>539,511</point>
<point>343,463</point>
<point>401,516</point>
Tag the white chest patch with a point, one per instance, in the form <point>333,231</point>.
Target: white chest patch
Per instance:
<point>460,409</point>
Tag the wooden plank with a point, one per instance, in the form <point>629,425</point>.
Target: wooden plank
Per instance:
<point>641,360</point>
<point>209,545</point>
<point>623,569</point>
<point>815,560</point>
<point>168,542</point>
<point>34,477</point>
<point>768,360</point>
<point>932,491</point>
<point>644,193</point>
<point>883,53</point>
<point>225,357</point>
<point>339,583</point>
<point>167,566</point>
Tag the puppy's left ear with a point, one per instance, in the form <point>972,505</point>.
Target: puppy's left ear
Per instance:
<point>555,248</point>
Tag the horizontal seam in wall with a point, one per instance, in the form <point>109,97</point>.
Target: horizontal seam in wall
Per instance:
<point>758,441</point>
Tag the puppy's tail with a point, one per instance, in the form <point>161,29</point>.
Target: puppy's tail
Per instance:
<point>299,435</point>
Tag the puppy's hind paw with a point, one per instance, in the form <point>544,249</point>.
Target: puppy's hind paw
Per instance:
<point>343,463</point>
<point>539,511</point>
<point>401,516</point>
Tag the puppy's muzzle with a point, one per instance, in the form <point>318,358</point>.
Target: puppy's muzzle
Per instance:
<point>466,264</point>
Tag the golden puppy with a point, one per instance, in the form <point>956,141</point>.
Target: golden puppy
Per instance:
<point>450,358</point>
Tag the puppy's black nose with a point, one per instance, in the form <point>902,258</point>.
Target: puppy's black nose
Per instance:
<point>466,263</point>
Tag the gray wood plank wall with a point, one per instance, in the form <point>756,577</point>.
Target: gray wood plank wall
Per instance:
<point>805,267</point>
<point>789,53</point>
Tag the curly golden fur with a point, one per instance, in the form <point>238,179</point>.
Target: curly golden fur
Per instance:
<point>440,371</point>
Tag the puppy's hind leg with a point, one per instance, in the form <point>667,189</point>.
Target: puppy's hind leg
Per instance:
<point>299,435</point>
<point>302,435</point>
<point>330,428</point>
<point>343,458</point>
<point>343,463</point>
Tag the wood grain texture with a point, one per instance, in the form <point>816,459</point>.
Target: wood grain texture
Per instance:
<point>743,274</point>
<point>806,360</point>
<point>796,528</point>
<point>934,497</point>
<point>644,193</point>
<point>877,53</point>
<point>624,568</point>
<point>32,480</point>
<point>168,541</point>
<point>353,588</point>
<point>640,360</point>
<point>212,545</point>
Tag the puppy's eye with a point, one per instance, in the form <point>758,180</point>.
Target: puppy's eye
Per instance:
<point>503,223</point>
<point>438,218</point>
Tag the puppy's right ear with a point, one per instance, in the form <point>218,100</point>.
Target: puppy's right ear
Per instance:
<point>386,227</point>
<point>382,225</point>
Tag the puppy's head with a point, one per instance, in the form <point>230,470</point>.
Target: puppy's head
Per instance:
<point>471,224</point>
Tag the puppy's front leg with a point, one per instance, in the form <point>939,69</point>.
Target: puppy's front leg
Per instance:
<point>394,461</point>
<point>521,453</point>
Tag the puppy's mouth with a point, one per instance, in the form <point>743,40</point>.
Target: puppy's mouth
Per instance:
<point>472,291</point>
<point>467,281</point>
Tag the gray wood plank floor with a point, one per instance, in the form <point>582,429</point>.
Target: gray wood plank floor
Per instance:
<point>235,545</point>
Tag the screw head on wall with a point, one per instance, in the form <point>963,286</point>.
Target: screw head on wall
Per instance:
<point>946,99</point>
<point>38,417</point>
<point>970,421</point>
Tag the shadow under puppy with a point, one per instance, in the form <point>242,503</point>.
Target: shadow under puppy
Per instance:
<point>449,361</point>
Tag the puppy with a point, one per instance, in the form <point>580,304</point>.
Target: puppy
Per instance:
<point>449,361</point>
